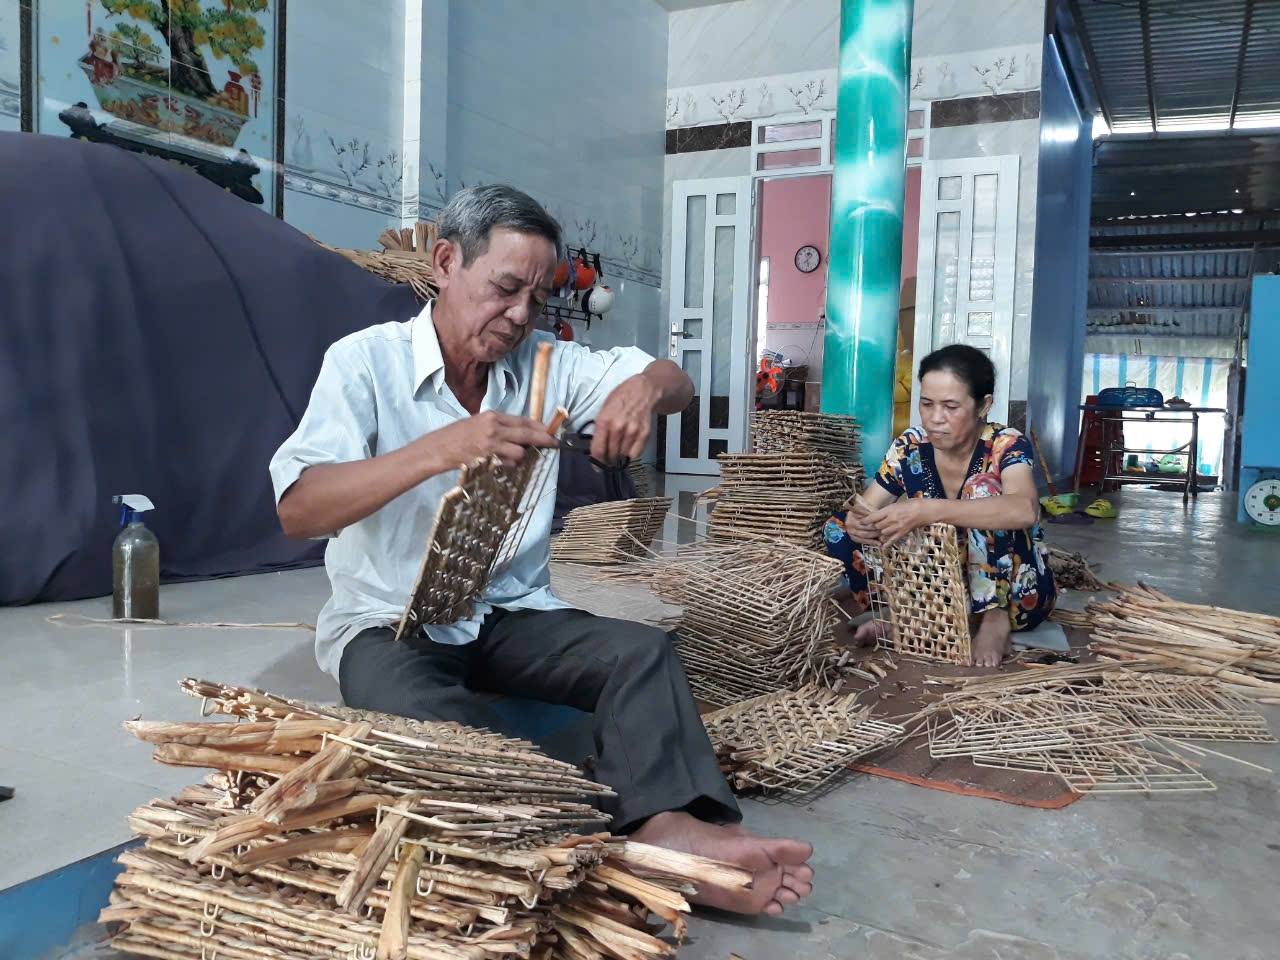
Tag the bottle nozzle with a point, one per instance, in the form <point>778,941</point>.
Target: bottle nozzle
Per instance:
<point>133,505</point>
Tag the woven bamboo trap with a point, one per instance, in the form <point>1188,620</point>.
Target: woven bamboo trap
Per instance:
<point>794,431</point>
<point>366,843</point>
<point>405,258</point>
<point>795,741</point>
<point>1099,727</point>
<point>917,591</point>
<point>782,496</point>
<point>480,524</point>
<point>614,532</point>
<point>755,617</point>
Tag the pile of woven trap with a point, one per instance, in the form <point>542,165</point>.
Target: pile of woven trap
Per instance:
<point>326,833</point>
<point>1100,728</point>
<point>783,496</point>
<point>795,741</point>
<point>1241,649</point>
<point>756,617</point>
<point>614,532</point>
<point>795,431</point>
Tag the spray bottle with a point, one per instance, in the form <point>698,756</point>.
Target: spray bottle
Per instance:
<point>135,563</point>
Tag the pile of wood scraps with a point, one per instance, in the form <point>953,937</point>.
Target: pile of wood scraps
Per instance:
<point>1099,727</point>
<point>756,617</point>
<point>793,742</point>
<point>783,496</point>
<point>795,431</point>
<point>365,843</point>
<point>1239,648</point>
<point>615,532</point>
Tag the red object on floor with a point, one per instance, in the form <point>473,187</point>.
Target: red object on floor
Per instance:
<point>1095,436</point>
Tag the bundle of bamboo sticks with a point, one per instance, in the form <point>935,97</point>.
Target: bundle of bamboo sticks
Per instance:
<point>356,841</point>
<point>756,616</point>
<point>793,742</point>
<point>614,532</point>
<point>1099,727</point>
<point>785,496</point>
<point>1240,649</point>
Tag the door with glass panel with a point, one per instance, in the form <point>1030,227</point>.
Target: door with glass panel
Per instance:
<point>707,324</point>
<point>968,242</point>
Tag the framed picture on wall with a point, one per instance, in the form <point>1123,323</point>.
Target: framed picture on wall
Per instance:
<point>198,82</point>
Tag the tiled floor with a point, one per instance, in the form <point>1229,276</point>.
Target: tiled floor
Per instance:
<point>903,872</point>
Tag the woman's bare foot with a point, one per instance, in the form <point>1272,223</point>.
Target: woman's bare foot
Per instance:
<point>994,639</point>
<point>871,632</point>
<point>781,871</point>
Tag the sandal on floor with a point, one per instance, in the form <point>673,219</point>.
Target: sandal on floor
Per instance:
<point>1054,506</point>
<point>1102,509</point>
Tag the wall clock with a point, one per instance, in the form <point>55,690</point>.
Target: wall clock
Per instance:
<point>808,258</point>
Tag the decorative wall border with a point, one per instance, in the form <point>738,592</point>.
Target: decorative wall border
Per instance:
<point>975,73</point>
<point>622,256</point>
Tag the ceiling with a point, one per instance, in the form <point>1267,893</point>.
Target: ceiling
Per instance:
<point>1196,174</point>
<point>1190,90</point>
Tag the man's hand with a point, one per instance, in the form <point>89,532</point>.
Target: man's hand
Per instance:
<point>890,524</point>
<point>503,435</point>
<point>626,419</point>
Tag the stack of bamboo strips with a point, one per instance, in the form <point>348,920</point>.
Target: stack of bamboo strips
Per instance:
<point>1099,727</point>
<point>1239,648</point>
<point>795,741</point>
<point>364,843</point>
<point>784,496</point>
<point>614,532</point>
<point>795,431</point>
<point>756,616</point>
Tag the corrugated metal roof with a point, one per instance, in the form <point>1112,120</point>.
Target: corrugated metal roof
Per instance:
<point>1179,67</point>
<point>1179,293</point>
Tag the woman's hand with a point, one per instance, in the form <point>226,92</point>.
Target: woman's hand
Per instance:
<point>890,524</point>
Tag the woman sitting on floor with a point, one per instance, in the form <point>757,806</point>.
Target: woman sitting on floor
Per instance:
<point>959,469</point>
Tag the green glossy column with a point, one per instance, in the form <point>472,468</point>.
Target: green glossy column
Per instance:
<point>868,187</point>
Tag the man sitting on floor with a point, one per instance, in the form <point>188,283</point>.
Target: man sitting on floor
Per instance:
<point>396,410</point>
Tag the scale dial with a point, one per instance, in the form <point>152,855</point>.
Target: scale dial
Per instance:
<point>1262,502</point>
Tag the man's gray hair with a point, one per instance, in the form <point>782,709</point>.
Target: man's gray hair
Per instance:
<point>472,213</point>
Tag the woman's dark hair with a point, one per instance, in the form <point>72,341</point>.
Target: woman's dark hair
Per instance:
<point>967,364</point>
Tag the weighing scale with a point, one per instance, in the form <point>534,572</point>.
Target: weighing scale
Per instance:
<point>1262,504</point>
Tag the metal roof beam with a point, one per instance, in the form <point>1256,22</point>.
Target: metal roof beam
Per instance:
<point>1165,253</point>
<point>1168,311</point>
<point>1148,64</point>
<point>1244,49</point>
<point>1241,238</point>
<point>1090,59</point>
<point>1170,281</point>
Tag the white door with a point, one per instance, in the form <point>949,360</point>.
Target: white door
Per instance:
<point>708,330</point>
<point>968,242</point>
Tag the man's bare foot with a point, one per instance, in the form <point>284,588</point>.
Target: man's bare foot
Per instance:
<point>994,639</point>
<point>781,871</point>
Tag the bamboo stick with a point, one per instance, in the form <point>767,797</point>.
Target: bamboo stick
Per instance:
<point>393,940</point>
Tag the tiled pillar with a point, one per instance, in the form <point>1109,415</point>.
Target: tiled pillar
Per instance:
<point>865,260</point>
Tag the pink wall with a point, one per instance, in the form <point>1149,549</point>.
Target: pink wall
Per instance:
<point>911,224</point>
<point>795,212</point>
